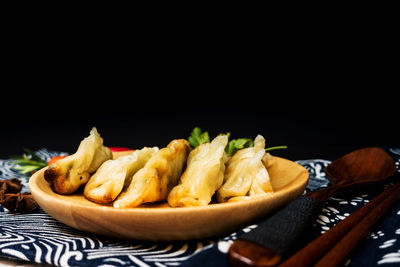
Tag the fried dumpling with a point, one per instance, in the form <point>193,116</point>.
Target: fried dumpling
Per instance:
<point>66,175</point>
<point>204,174</point>
<point>108,181</point>
<point>159,175</point>
<point>245,175</point>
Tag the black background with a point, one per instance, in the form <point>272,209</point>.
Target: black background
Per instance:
<point>310,127</point>
<point>322,97</point>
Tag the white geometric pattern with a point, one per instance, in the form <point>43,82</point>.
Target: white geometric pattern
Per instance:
<point>37,237</point>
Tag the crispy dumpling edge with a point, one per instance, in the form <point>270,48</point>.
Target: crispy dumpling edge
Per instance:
<point>56,179</point>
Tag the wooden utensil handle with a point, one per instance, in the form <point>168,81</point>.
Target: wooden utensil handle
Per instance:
<point>323,194</point>
<point>276,235</point>
<point>310,253</point>
<point>340,252</point>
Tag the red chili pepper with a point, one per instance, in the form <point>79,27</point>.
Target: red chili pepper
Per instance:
<point>117,149</point>
<point>54,159</point>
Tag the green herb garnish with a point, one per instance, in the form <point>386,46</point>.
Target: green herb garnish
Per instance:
<point>29,161</point>
<point>275,147</point>
<point>198,137</point>
<point>237,144</point>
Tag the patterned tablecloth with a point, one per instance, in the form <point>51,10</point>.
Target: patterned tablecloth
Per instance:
<point>39,238</point>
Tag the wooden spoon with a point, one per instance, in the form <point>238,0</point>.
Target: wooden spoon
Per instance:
<point>356,169</point>
<point>274,238</point>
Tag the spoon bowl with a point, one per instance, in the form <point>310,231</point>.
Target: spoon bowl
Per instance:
<point>356,170</point>
<point>361,166</point>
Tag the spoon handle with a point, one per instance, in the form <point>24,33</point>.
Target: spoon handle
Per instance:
<point>275,236</point>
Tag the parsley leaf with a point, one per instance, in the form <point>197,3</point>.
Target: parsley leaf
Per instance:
<point>198,137</point>
<point>237,144</point>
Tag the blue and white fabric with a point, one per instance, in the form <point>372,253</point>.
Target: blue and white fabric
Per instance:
<point>37,237</point>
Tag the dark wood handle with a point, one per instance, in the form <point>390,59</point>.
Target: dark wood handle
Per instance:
<point>324,193</point>
<point>342,249</point>
<point>275,236</point>
<point>245,253</point>
<point>315,249</point>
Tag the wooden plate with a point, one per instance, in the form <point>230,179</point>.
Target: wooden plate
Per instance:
<point>161,222</point>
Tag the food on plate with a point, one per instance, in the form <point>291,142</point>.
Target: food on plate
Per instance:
<point>237,144</point>
<point>54,159</point>
<point>246,175</point>
<point>154,181</point>
<point>66,175</point>
<point>193,172</point>
<point>204,174</point>
<point>119,149</point>
<point>198,137</point>
<point>108,181</point>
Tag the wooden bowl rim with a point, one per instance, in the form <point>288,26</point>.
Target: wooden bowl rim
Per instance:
<point>62,206</point>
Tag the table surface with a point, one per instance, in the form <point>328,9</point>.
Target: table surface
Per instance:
<point>309,134</point>
<point>43,243</point>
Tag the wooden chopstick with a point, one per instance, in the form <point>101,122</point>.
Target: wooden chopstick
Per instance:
<point>340,252</point>
<point>341,239</point>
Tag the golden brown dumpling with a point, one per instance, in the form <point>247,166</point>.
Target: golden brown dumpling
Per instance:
<point>203,175</point>
<point>68,174</point>
<point>245,175</point>
<point>154,181</point>
<point>108,181</point>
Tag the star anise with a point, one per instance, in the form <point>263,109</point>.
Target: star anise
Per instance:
<point>13,200</point>
<point>10,186</point>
